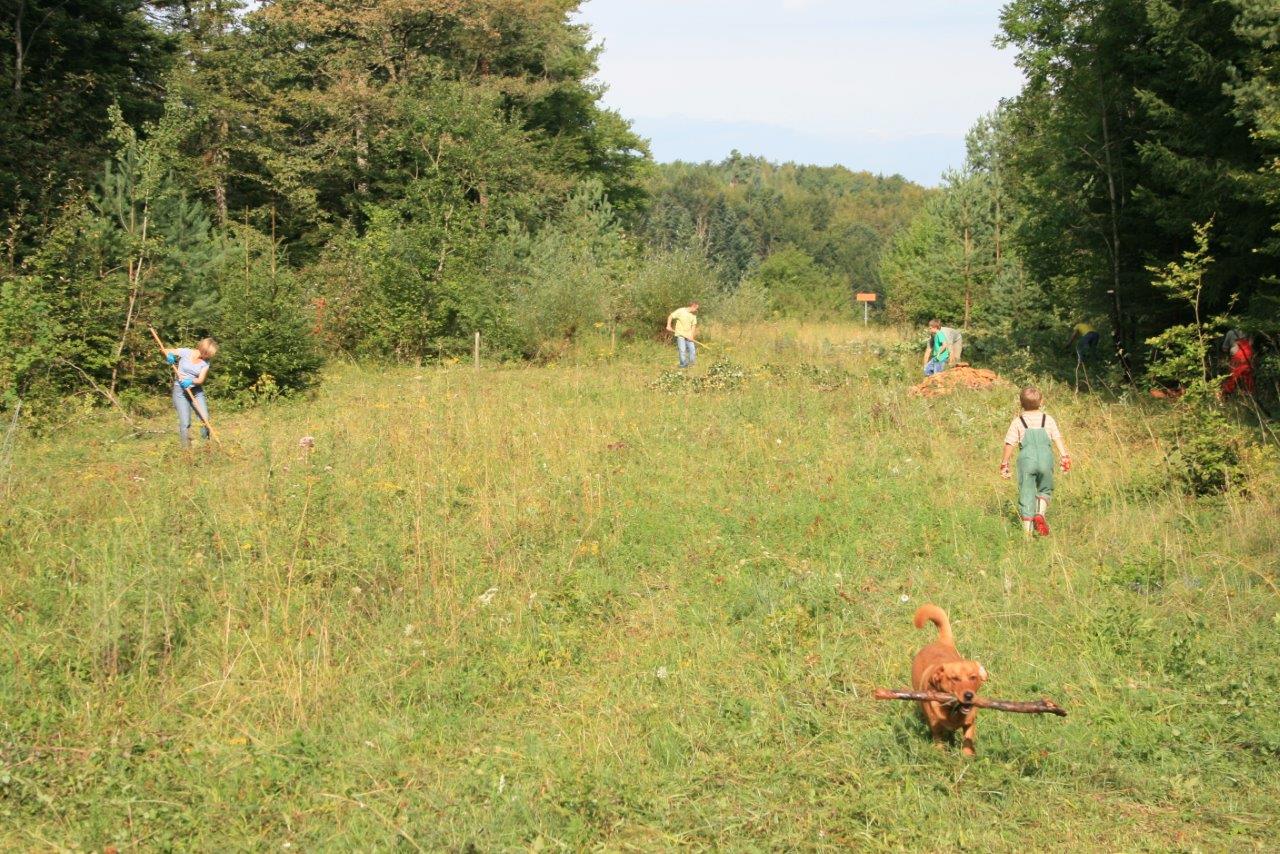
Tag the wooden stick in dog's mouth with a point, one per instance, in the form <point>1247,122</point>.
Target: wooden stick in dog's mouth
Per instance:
<point>1033,707</point>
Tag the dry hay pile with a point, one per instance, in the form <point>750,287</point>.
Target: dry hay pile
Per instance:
<point>961,376</point>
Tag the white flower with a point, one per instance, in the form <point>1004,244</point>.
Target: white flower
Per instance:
<point>487,596</point>
<point>661,673</point>
<point>904,598</point>
<point>409,629</point>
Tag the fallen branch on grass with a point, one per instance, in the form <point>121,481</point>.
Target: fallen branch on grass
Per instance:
<point>1034,707</point>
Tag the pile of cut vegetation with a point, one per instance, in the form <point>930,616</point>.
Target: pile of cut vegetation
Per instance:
<point>961,376</point>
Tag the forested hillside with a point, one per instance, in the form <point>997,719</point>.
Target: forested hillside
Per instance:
<point>804,237</point>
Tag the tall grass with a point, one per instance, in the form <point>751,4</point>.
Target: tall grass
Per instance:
<point>577,606</point>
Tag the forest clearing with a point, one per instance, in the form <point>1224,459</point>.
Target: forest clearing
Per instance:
<point>966,398</point>
<point>576,605</point>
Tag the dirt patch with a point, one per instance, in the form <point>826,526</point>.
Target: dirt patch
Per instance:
<point>961,376</point>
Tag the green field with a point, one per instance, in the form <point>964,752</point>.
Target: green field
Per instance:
<point>592,605</point>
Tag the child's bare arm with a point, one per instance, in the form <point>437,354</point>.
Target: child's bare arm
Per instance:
<point>1004,461</point>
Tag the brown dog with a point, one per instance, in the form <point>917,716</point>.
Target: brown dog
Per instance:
<point>938,667</point>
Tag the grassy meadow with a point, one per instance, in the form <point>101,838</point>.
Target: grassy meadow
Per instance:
<point>596,605</point>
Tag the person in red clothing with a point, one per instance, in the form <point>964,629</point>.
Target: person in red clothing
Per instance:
<point>1241,367</point>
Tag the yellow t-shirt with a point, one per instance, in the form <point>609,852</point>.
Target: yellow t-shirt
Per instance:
<point>684,322</point>
<point>1083,328</point>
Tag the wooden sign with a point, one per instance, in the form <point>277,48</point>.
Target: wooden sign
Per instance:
<point>866,297</point>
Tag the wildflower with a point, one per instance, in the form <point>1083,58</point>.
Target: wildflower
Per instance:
<point>486,597</point>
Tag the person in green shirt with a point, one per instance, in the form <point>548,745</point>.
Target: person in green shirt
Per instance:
<point>683,323</point>
<point>938,351</point>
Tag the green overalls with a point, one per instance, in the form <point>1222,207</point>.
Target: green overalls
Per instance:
<point>1035,467</point>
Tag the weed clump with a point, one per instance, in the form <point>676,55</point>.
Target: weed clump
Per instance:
<point>725,375</point>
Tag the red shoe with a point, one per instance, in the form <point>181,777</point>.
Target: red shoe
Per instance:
<point>1041,526</point>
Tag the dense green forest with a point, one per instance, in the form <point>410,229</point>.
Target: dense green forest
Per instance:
<point>1140,123</point>
<point>308,178</point>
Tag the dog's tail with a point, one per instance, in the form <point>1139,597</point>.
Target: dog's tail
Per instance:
<point>937,616</point>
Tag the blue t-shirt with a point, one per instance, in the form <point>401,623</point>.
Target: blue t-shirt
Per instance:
<point>190,364</point>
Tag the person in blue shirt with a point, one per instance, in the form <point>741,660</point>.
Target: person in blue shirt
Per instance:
<point>188,385</point>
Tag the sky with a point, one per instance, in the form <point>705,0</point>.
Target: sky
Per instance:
<point>889,86</point>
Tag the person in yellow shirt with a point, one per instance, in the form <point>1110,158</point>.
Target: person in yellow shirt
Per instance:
<point>1086,339</point>
<point>683,323</point>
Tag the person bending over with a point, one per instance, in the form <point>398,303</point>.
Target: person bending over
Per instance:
<point>937,351</point>
<point>188,385</point>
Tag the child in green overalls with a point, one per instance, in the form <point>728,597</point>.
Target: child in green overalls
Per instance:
<point>1034,433</point>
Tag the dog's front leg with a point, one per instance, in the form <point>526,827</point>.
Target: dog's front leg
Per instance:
<point>938,729</point>
<point>970,735</point>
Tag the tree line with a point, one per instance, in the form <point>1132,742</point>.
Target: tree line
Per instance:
<point>302,178</point>
<point>1141,122</point>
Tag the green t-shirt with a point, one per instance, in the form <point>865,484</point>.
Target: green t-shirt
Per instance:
<point>940,344</point>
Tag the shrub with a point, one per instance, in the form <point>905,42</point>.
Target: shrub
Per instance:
<point>661,281</point>
<point>1206,456</point>
<point>798,287</point>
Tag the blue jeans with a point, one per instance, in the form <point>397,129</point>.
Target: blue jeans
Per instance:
<point>1087,346</point>
<point>934,367</point>
<point>688,352</point>
<point>182,403</point>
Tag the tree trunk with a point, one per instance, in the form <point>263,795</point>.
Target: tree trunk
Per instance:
<point>19,55</point>
<point>999,253</point>
<point>362,157</point>
<point>135,288</point>
<point>1117,319</point>
<point>220,159</point>
<point>968,281</point>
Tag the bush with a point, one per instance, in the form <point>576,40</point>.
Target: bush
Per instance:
<point>798,287</point>
<point>267,345</point>
<point>748,303</point>
<point>661,281</point>
<point>566,275</point>
<point>1207,449</point>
